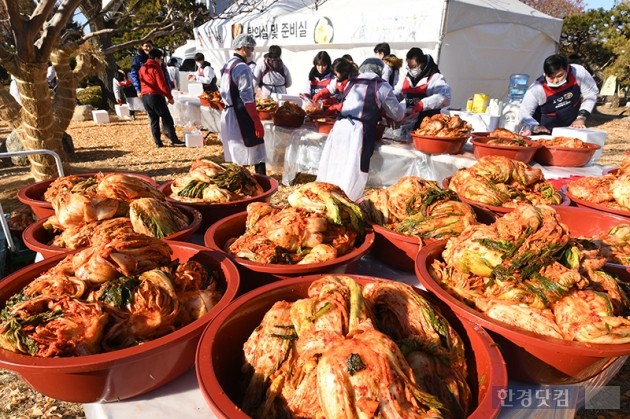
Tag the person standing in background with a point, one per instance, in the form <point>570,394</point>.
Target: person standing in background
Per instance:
<point>320,75</point>
<point>205,74</point>
<point>345,160</point>
<point>242,132</point>
<point>424,88</point>
<point>564,96</point>
<point>271,75</point>
<point>381,51</point>
<point>156,90</point>
<point>138,60</point>
<point>394,64</point>
<point>173,73</point>
<point>51,76</point>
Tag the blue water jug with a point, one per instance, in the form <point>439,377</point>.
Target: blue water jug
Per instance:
<point>518,86</point>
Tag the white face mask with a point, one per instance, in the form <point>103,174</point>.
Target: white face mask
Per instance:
<point>553,85</point>
<point>414,72</point>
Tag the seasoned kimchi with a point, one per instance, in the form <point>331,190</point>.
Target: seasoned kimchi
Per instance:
<point>320,223</point>
<point>115,295</point>
<point>503,182</point>
<point>350,351</point>
<point>211,182</point>
<point>526,271</point>
<point>418,207</point>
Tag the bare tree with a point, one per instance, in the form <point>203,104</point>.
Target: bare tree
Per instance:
<point>556,8</point>
<point>35,32</point>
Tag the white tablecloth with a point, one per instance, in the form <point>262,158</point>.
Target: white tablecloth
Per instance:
<point>186,110</point>
<point>392,160</point>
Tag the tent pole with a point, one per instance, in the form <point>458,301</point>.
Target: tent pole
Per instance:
<point>442,30</point>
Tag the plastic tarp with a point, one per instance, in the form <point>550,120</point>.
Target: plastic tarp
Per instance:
<point>478,44</point>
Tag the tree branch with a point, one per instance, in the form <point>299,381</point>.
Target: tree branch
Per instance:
<point>52,29</point>
<point>16,19</point>
<point>153,34</point>
<point>41,13</point>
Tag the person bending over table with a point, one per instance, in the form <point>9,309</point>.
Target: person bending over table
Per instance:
<point>564,96</point>
<point>242,131</point>
<point>423,88</point>
<point>332,94</point>
<point>345,159</point>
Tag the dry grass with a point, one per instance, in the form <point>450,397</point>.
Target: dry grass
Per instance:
<point>127,145</point>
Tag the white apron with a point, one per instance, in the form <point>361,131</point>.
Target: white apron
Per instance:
<point>234,149</point>
<point>340,163</point>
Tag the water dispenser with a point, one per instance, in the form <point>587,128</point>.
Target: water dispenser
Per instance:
<point>517,87</point>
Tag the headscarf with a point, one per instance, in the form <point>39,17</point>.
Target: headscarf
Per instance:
<point>243,40</point>
<point>372,65</point>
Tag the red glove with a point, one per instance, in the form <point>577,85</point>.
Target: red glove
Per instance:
<point>259,130</point>
<point>418,107</point>
<point>336,107</point>
<point>321,94</point>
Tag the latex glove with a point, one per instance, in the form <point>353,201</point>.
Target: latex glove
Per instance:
<point>539,129</point>
<point>417,108</point>
<point>336,107</point>
<point>392,123</point>
<point>259,130</point>
<point>321,94</point>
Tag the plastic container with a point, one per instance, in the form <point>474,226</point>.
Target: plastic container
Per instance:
<point>212,212</point>
<point>193,139</point>
<point>100,117</point>
<point>565,156</point>
<point>220,352</point>
<point>530,357</point>
<point>125,373</point>
<point>481,148</point>
<point>255,274</point>
<point>480,103</point>
<point>438,145</point>
<point>122,111</point>
<point>587,135</point>
<point>36,237</point>
<point>517,86</point>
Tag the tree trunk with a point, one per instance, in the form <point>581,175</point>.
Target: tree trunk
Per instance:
<point>38,129</point>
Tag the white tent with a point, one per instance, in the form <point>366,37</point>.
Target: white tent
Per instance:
<point>477,44</point>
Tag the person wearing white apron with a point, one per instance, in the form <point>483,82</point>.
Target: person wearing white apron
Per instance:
<point>242,131</point>
<point>345,159</point>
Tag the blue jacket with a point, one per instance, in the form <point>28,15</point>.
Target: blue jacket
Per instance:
<point>138,61</point>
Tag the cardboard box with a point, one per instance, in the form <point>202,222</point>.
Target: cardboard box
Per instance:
<point>587,135</point>
<point>193,139</point>
<point>100,117</point>
<point>122,110</point>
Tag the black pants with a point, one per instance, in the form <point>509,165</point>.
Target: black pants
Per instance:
<point>157,108</point>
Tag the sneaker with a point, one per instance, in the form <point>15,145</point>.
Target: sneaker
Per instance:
<point>159,145</point>
<point>177,143</point>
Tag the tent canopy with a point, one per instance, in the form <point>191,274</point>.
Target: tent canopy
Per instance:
<point>477,44</point>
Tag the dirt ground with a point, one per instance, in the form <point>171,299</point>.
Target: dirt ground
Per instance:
<point>127,145</point>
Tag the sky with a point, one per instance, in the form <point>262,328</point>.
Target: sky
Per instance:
<point>596,4</point>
